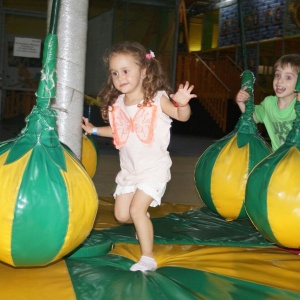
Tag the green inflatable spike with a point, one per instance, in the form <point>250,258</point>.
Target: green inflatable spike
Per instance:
<point>297,88</point>
<point>246,127</point>
<point>40,126</point>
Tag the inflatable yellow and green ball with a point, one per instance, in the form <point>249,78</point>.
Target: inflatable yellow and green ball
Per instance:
<point>222,171</point>
<point>48,202</point>
<point>273,192</point>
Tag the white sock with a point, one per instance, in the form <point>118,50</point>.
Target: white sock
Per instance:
<point>146,263</point>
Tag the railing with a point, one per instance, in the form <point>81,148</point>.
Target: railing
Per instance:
<point>211,91</point>
<point>216,82</point>
<point>18,103</point>
<point>232,78</point>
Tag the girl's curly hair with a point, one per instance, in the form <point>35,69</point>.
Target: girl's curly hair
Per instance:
<point>154,80</point>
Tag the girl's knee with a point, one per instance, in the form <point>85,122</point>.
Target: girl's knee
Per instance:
<point>122,217</point>
<point>136,212</point>
<point>133,212</point>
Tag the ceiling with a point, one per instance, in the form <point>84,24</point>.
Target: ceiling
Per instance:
<point>193,7</point>
<point>199,3</point>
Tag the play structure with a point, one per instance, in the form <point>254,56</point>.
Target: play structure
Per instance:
<point>48,201</point>
<point>272,196</point>
<point>56,243</point>
<point>221,172</point>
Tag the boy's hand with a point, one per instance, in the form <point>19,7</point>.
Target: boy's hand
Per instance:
<point>183,95</point>
<point>298,97</point>
<point>242,95</point>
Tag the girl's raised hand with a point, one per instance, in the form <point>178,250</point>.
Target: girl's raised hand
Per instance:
<point>183,95</point>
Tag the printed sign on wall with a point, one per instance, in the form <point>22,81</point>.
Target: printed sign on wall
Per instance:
<point>27,47</point>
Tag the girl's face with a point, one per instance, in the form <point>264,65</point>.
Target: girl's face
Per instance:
<point>284,82</point>
<point>126,74</point>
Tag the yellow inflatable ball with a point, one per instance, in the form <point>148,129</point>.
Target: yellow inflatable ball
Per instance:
<point>221,174</point>
<point>89,155</point>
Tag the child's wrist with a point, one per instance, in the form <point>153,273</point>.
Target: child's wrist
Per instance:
<point>95,131</point>
<point>178,105</point>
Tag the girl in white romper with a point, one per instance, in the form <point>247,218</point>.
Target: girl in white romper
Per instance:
<point>139,111</point>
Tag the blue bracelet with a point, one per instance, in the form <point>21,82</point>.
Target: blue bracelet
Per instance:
<point>95,131</point>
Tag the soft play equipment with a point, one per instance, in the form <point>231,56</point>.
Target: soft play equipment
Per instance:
<point>273,190</point>
<point>200,257</point>
<point>221,172</point>
<point>48,202</point>
<point>89,155</point>
<point>89,149</point>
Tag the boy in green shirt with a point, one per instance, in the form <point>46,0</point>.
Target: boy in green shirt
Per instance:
<point>277,112</point>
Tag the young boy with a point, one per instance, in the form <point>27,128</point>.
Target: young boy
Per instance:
<point>277,112</point>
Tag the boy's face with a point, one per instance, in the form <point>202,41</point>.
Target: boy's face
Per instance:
<point>284,82</point>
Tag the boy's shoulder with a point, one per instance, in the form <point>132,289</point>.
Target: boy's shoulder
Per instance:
<point>271,98</point>
<point>272,101</point>
<point>269,101</point>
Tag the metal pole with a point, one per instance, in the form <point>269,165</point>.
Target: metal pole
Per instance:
<point>242,35</point>
<point>175,46</point>
<point>2,94</point>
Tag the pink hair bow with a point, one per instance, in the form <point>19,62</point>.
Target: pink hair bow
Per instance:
<point>150,55</point>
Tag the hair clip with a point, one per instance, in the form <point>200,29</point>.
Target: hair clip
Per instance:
<point>150,55</point>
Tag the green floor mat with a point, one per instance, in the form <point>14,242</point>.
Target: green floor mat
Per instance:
<point>199,226</point>
<point>108,278</point>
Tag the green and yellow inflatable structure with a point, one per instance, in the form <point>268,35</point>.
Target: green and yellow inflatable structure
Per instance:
<point>222,171</point>
<point>48,202</point>
<point>48,206</point>
<point>273,190</point>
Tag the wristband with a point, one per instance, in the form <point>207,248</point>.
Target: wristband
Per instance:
<point>95,131</point>
<point>177,105</point>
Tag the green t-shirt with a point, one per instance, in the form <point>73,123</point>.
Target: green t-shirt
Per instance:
<point>278,122</point>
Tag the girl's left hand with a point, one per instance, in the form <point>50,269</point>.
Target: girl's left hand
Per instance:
<point>183,95</point>
<point>87,126</point>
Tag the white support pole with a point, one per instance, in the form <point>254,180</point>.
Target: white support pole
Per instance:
<point>72,35</point>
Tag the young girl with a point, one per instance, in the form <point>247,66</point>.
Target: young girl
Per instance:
<point>136,104</point>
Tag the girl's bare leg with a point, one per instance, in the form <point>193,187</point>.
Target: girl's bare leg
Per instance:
<point>122,206</point>
<point>144,228</point>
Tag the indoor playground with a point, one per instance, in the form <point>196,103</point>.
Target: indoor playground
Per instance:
<point>58,237</point>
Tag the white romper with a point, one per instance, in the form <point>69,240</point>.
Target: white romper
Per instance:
<point>142,135</point>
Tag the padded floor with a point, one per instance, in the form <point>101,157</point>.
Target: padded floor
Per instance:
<point>199,255</point>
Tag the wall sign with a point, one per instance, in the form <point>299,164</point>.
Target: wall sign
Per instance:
<point>27,47</point>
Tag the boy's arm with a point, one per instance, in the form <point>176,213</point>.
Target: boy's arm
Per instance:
<point>241,97</point>
<point>241,105</point>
